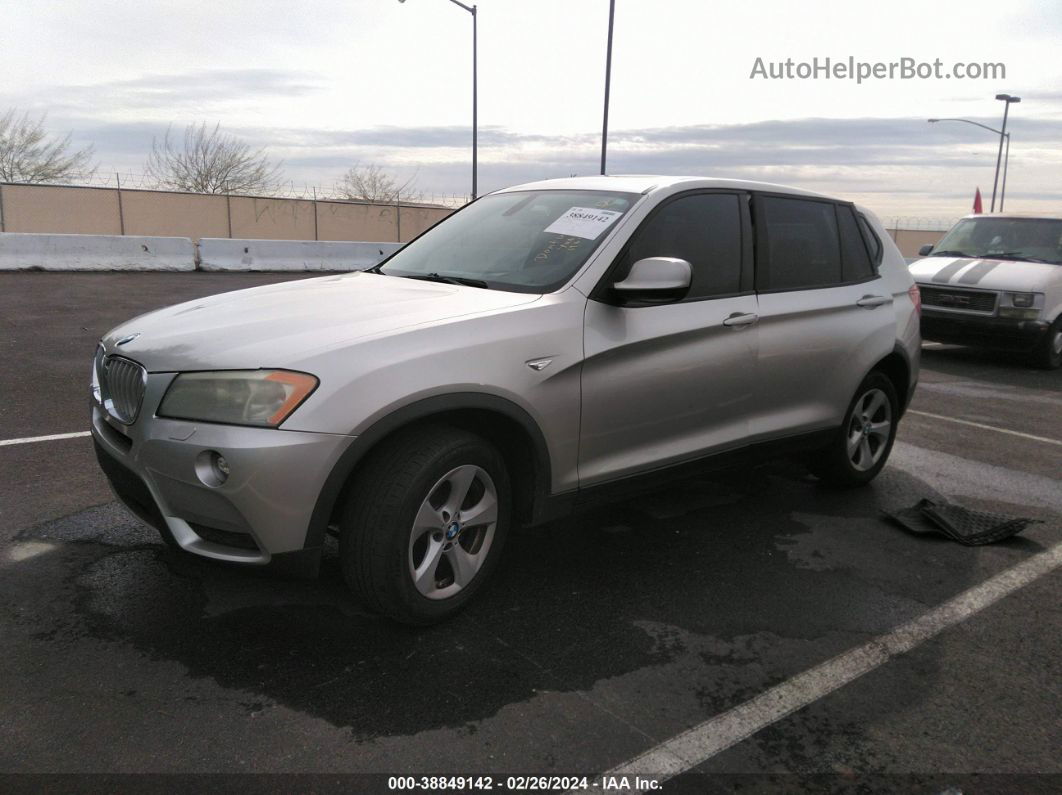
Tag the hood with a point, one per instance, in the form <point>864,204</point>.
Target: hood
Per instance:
<point>985,274</point>
<point>280,325</point>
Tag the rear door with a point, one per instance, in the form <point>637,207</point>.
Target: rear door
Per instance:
<point>825,314</point>
<point>671,381</point>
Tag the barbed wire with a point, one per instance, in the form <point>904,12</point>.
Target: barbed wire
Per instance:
<point>921,223</point>
<point>289,189</point>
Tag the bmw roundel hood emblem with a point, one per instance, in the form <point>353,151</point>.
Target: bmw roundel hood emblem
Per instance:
<point>127,339</point>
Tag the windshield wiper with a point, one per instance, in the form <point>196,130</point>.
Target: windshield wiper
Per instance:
<point>1017,255</point>
<point>951,253</point>
<point>438,277</point>
<point>374,269</point>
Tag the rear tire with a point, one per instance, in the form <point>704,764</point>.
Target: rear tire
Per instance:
<point>861,446</point>
<point>425,523</point>
<point>1048,355</point>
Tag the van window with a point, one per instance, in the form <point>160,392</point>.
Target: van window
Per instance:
<point>802,249</point>
<point>705,230</point>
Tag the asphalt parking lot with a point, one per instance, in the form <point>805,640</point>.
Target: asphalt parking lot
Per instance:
<point>602,637</point>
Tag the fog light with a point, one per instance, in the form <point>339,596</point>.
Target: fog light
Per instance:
<point>1020,314</point>
<point>212,468</point>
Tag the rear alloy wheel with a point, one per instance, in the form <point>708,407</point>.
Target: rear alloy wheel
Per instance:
<point>861,446</point>
<point>869,430</point>
<point>1049,354</point>
<point>425,523</point>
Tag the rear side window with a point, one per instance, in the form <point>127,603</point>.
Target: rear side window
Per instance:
<point>855,259</point>
<point>872,240</point>
<point>802,245</point>
<point>705,230</point>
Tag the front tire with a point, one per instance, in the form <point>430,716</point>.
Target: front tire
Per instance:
<point>1048,355</point>
<point>861,446</point>
<point>425,523</point>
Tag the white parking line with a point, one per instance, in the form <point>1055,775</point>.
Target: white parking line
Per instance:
<point>986,427</point>
<point>695,746</point>
<point>50,438</point>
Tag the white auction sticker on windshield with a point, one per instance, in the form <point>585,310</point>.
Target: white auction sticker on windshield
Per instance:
<point>584,222</point>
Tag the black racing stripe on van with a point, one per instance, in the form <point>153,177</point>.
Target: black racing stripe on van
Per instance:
<point>978,272</point>
<point>945,273</point>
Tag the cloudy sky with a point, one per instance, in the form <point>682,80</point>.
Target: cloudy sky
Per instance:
<point>324,84</point>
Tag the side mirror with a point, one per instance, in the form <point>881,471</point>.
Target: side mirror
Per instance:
<point>656,278</point>
<point>924,251</point>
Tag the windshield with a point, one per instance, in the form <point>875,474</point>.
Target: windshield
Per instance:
<point>1034,239</point>
<point>526,241</point>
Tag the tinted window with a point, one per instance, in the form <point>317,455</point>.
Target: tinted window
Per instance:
<point>855,261</point>
<point>704,230</point>
<point>872,240</point>
<point>802,245</point>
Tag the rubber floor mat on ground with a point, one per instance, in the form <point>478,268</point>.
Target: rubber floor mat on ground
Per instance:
<point>964,525</point>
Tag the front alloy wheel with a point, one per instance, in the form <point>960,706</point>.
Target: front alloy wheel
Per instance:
<point>453,531</point>
<point>425,522</point>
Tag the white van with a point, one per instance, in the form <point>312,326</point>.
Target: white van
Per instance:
<point>996,281</point>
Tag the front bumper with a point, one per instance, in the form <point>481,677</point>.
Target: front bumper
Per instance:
<point>259,515</point>
<point>990,332</point>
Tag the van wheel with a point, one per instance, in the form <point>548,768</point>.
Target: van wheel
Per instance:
<point>425,523</point>
<point>862,444</point>
<point>1049,355</point>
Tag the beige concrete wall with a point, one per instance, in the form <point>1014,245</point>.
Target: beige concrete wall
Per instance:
<point>174,214</point>
<point>96,211</point>
<point>910,240</point>
<point>271,219</point>
<point>340,220</point>
<point>64,211</point>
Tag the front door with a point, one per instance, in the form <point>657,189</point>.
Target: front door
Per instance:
<point>668,382</point>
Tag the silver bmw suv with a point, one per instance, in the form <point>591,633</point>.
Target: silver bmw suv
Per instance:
<point>544,347</point>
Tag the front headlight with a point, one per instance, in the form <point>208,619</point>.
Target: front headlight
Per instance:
<point>1021,299</point>
<point>237,397</point>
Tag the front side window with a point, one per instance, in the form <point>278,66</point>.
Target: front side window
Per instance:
<point>803,249</point>
<point>703,229</point>
<point>526,241</point>
<point>1033,239</point>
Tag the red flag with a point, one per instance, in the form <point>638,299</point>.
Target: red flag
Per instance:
<point>978,209</point>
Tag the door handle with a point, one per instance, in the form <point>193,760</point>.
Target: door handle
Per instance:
<point>871,301</point>
<point>739,319</point>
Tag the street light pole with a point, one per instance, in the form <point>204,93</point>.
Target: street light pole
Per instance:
<point>608,82</point>
<point>475,104</point>
<point>1006,157</point>
<point>1007,100</point>
<point>475,110</point>
<point>1006,162</point>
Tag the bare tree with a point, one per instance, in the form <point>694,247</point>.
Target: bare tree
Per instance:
<point>29,154</point>
<point>371,183</point>
<point>210,161</point>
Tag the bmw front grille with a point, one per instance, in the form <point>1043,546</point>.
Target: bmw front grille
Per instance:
<point>122,382</point>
